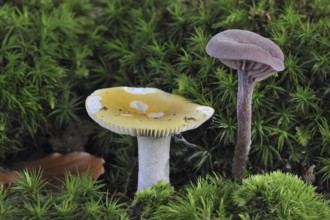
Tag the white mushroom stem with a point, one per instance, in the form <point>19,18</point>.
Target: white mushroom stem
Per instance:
<point>244,118</point>
<point>154,156</point>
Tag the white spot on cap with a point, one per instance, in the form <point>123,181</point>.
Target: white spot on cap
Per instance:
<point>156,115</point>
<point>126,115</point>
<point>208,111</point>
<point>140,106</point>
<point>94,105</point>
<point>137,91</point>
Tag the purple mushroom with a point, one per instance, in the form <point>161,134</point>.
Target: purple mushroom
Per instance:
<point>255,58</point>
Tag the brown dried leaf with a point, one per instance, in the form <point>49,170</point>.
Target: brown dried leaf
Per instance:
<point>56,165</point>
<point>7,177</point>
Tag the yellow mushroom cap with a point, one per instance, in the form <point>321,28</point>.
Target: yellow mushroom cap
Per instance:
<point>144,111</point>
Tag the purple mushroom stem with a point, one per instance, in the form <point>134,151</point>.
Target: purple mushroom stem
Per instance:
<point>244,119</point>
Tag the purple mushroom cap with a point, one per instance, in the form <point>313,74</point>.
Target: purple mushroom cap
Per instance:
<point>247,51</point>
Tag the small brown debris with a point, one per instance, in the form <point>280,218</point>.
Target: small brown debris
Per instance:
<point>104,108</point>
<point>309,175</point>
<point>189,119</point>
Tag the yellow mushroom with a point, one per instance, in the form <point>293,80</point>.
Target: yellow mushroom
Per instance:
<point>153,116</point>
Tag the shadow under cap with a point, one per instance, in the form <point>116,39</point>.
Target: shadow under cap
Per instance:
<point>247,51</point>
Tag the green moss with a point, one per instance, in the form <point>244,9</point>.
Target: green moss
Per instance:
<point>279,196</point>
<point>149,200</point>
<point>43,56</point>
<point>80,196</point>
<point>270,196</point>
<point>207,199</point>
